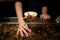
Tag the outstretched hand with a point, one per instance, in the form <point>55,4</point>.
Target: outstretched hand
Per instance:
<point>23,29</point>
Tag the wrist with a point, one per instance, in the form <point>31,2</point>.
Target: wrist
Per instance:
<point>20,20</point>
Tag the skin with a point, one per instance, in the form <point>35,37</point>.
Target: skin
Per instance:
<point>44,14</point>
<point>23,27</point>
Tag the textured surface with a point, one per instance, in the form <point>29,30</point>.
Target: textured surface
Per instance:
<point>43,31</point>
<point>39,32</point>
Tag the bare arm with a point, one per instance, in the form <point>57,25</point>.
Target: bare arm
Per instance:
<point>23,27</point>
<point>18,7</point>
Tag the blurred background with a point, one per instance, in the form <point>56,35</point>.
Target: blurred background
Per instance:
<point>7,8</point>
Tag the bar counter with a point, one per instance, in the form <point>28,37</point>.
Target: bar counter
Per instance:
<point>41,30</point>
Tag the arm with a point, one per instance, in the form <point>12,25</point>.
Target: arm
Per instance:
<point>23,27</point>
<point>18,7</point>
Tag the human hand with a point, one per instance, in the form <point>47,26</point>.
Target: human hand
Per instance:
<point>23,29</point>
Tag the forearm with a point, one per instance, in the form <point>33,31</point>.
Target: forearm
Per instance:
<point>18,7</point>
<point>44,10</point>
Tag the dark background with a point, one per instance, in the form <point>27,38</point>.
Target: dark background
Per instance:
<point>7,8</point>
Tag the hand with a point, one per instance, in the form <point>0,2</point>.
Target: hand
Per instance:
<point>44,16</point>
<point>23,29</point>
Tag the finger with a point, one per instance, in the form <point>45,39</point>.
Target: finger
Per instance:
<point>26,27</point>
<point>17,32</point>
<point>24,31</point>
<point>21,33</point>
